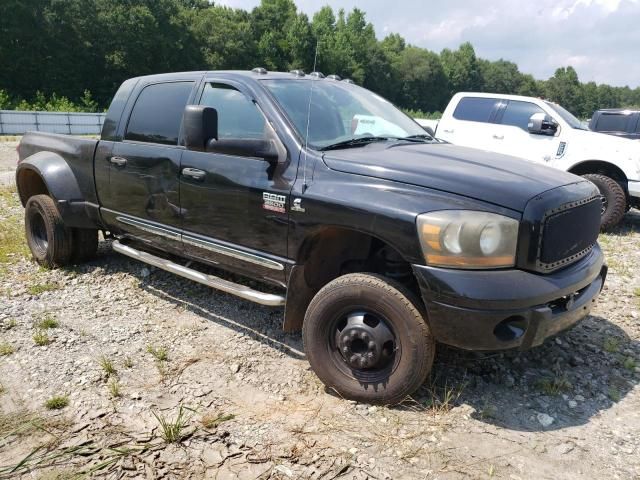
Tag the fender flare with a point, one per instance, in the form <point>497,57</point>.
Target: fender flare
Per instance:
<point>61,185</point>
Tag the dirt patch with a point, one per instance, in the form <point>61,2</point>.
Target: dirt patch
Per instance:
<point>144,358</point>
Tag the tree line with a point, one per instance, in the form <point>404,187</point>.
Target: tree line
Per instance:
<point>73,54</point>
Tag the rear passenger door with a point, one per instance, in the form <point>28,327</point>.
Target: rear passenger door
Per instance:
<point>510,136</point>
<point>470,124</point>
<point>144,168</point>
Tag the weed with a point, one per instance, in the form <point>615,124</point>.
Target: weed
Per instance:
<point>11,323</point>
<point>212,420</point>
<point>2,389</point>
<point>443,398</point>
<point>114,388</point>
<point>41,338</point>
<point>48,321</point>
<point>128,362</point>
<point>107,366</point>
<point>159,353</point>
<point>6,349</point>
<point>614,394</point>
<point>13,246</point>
<point>636,292</point>
<point>611,345</point>
<point>162,369</point>
<point>39,288</point>
<point>57,402</point>
<point>629,363</point>
<point>554,386</point>
<point>173,431</point>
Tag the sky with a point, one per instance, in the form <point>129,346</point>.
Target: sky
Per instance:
<point>599,38</point>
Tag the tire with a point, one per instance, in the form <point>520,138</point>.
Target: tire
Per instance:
<point>346,308</point>
<point>614,200</point>
<point>49,240</point>
<point>85,244</point>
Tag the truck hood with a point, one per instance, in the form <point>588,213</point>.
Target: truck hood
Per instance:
<point>490,177</point>
<point>601,144</point>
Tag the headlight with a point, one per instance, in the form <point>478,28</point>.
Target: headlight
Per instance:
<point>468,239</point>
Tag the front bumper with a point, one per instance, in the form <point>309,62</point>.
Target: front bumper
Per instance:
<point>634,188</point>
<point>505,309</point>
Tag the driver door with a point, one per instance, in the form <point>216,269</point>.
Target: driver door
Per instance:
<point>510,135</point>
<point>234,207</point>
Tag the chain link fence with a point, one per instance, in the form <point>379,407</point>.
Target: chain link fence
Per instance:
<point>15,122</point>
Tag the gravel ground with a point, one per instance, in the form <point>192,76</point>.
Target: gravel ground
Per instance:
<point>130,347</point>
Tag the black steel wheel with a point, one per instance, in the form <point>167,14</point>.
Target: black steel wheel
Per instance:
<point>49,240</point>
<point>367,338</point>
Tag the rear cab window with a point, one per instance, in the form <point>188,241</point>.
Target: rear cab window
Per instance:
<point>476,109</point>
<point>613,122</point>
<point>157,114</point>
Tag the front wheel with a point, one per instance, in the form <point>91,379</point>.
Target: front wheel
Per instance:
<point>614,200</point>
<point>366,338</point>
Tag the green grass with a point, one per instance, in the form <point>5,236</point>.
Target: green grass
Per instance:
<point>107,366</point>
<point>553,386</point>
<point>41,338</point>
<point>6,349</point>
<point>173,431</point>
<point>212,420</point>
<point>57,402</point>
<point>611,345</point>
<point>636,292</point>
<point>11,323</point>
<point>629,363</point>
<point>159,353</point>
<point>114,388</point>
<point>47,322</point>
<point>614,394</point>
<point>13,245</point>
<point>128,362</point>
<point>39,288</point>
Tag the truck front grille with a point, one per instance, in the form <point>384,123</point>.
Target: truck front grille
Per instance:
<point>568,233</point>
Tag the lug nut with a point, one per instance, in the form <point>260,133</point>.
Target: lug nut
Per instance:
<point>345,349</point>
<point>353,359</point>
<point>363,362</point>
<point>363,335</point>
<point>372,345</point>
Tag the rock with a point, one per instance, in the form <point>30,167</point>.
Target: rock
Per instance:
<point>235,367</point>
<point>545,420</point>
<point>144,272</point>
<point>572,403</point>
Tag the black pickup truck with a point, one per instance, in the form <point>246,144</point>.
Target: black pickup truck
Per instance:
<point>379,240</point>
<point>621,122</point>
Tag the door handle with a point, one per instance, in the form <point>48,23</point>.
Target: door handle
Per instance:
<point>119,161</point>
<point>499,137</point>
<point>448,130</point>
<point>194,173</point>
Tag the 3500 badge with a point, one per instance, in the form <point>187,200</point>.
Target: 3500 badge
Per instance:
<point>274,202</point>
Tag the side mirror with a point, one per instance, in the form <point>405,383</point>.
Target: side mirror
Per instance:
<point>200,125</point>
<point>542,124</point>
<point>266,149</point>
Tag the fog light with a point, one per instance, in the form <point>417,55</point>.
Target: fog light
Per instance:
<point>510,328</point>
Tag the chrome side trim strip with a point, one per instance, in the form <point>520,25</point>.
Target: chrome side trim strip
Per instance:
<point>232,252</point>
<point>241,291</point>
<point>146,227</point>
<point>204,244</point>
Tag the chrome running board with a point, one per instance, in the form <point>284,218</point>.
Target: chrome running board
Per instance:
<point>241,291</point>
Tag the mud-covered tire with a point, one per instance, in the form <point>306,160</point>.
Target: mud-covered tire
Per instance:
<point>85,244</point>
<point>398,309</point>
<point>50,242</point>
<point>615,200</point>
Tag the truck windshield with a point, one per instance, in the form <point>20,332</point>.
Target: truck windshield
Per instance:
<point>567,116</point>
<point>341,115</point>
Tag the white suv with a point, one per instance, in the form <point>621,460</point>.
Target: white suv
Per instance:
<point>541,131</point>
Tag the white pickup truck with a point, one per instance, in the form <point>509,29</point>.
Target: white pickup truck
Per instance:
<point>541,131</point>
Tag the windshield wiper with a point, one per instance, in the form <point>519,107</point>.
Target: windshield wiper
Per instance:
<point>354,142</point>
<point>424,137</point>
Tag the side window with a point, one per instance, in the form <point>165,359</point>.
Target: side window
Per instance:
<point>638,125</point>
<point>475,109</point>
<point>238,116</point>
<point>157,113</point>
<point>612,122</point>
<point>517,114</point>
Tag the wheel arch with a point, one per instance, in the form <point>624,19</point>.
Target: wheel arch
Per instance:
<point>330,252</point>
<point>48,173</point>
<point>600,167</point>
